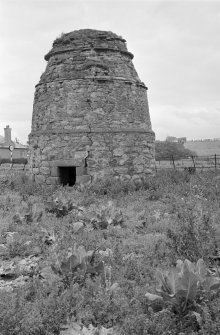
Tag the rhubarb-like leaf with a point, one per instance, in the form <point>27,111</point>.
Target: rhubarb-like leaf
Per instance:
<point>191,266</point>
<point>201,269</point>
<point>186,285</point>
<point>70,264</point>
<point>179,265</point>
<point>167,282</point>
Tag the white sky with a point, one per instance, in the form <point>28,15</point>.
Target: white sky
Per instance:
<point>176,47</point>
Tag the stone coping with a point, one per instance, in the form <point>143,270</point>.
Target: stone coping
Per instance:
<point>96,48</point>
<point>92,131</point>
<point>97,78</point>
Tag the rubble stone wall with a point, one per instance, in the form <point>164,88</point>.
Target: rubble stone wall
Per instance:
<point>90,111</point>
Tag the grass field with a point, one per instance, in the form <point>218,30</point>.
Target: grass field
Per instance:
<point>204,148</point>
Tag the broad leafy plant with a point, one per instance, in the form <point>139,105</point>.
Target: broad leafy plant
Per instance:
<point>107,216</point>
<point>80,261</point>
<point>184,288</point>
<point>61,205</point>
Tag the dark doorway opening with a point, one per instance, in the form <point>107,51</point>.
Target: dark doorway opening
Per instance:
<point>67,175</point>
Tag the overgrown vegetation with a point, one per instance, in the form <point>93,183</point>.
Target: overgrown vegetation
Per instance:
<point>114,258</point>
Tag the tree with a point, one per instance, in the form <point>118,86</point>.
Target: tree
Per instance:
<point>167,150</point>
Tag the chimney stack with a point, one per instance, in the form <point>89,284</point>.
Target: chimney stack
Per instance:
<point>7,130</point>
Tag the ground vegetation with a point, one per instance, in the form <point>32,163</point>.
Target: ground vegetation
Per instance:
<point>111,258</point>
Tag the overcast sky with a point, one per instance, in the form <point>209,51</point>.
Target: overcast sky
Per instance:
<point>176,47</point>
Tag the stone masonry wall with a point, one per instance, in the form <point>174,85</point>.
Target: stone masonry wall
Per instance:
<point>90,111</point>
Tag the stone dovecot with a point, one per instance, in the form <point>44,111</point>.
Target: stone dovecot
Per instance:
<point>90,116</point>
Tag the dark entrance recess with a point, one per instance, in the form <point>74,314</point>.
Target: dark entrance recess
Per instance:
<point>67,175</point>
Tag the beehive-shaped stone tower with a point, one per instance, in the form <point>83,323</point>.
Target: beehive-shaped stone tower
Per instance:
<point>90,117</point>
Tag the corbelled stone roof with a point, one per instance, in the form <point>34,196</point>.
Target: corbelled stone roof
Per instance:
<point>87,39</point>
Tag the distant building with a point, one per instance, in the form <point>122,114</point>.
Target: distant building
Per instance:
<point>181,140</point>
<point>20,150</point>
<point>176,139</point>
<point>171,139</point>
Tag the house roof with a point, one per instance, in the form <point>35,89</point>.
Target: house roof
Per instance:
<point>2,139</point>
<point>16,145</point>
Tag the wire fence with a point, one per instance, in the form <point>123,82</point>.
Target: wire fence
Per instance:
<point>191,163</point>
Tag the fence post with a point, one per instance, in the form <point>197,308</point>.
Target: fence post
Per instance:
<point>194,165</point>
<point>173,162</point>
<point>11,148</point>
